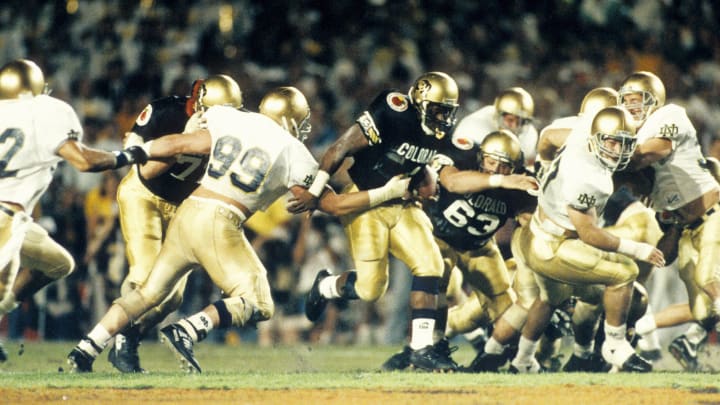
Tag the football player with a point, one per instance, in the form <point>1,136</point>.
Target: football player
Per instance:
<point>397,135</point>
<point>684,189</point>
<point>149,195</point>
<point>480,187</point>
<point>37,132</point>
<point>252,162</point>
<point>568,250</point>
<point>513,110</point>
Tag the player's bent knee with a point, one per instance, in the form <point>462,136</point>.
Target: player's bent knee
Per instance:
<point>134,304</point>
<point>515,316</point>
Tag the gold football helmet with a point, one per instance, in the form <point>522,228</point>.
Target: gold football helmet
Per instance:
<point>597,99</point>
<point>612,137</point>
<point>650,87</point>
<point>288,107</point>
<point>516,101</point>
<point>218,90</point>
<point>504,147</point>
<point>21,76</point>
<point>435,96</point>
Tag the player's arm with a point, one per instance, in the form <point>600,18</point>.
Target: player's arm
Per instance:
<point>550,141</point>
<point>87,159</point>
<point>585,223</point>
<point>194,143</point>
<point>349,143</point>
<point>150,169</point>
<point>347,203</point>
<point>650,151</point>
<point>471,181</point>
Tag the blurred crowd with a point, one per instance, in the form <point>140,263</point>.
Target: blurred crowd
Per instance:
<point>108,59</point>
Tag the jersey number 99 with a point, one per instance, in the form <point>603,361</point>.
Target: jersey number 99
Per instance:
<point>247,168</point>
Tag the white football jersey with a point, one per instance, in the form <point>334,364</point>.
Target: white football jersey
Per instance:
<point>681,177</point>
<point>483,121</point>
<point>32,129</point>
<point>253,160</point>
<point>576,178</point>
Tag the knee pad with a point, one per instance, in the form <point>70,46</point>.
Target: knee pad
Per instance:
<point>64,266</point>
<point>515,316</point>
<point>134,304</point>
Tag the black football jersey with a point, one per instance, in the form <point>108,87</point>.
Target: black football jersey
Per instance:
<point>398,144</point>
<point>165,116</point>
<point>468,221</point>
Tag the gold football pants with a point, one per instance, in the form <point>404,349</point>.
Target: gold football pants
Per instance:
<point>208,233</point>
<point>144,219</point>
<point>403,230</point>
<point>38,252</point>
<point>699,263</point>
<point>484,271</point>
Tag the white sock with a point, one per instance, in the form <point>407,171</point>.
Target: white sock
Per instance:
<point>492,346</point>
<point>99,337</point>
<point>583,351</point>
<point>645,325</point>
<point>618,348</point>
<point>328,287</point>
<point>421,334</point>
<point>526,351</point>
<point>716,305</point>
<point>695,333</point>
<point>649,342</point>
<point>197,326</point>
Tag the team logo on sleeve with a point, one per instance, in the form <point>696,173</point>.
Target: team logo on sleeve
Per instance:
<point>397,101</point>
<point>73,135</point>
<point>587,200</point>
<point>462,143</point>
<point>144,116</point>
<point>669,131</point>
<point>367,124</point>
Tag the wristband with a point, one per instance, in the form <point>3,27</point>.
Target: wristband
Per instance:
<point>321,179</point>
<point>636,250</point>
<point>377,196</point>
<point>121,159</point>
<point>495,180</point>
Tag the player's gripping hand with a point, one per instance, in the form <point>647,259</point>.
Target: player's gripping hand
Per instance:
<point>519,182</point>
<point>129,156</point>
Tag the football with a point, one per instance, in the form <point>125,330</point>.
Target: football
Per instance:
<point>424,184</point>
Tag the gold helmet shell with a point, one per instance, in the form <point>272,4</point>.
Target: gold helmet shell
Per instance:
<point>435,96</point>
<point>612,137</point>
<point>218,90</point>
<point>21,76</point>
<point>503,146</point>
<point>289,108</point>
<point>650,87</point>
<point>597,99</point>
<point>516,101</point>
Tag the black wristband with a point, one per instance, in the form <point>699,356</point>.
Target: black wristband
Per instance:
<point>121,159</point>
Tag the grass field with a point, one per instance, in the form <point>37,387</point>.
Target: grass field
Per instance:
<point>323,374</point>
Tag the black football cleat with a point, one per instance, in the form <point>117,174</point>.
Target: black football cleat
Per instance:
<point>444,351</point>
<point>180,342</point>
<point>80,361</point>
<point>398,361</point>
<point>486,363</point>
<point>315,303</point>
<point>531,368</point>
<point>428,359</point>
<point>636,364</point>
<point>124,354</point>
<point>593,364</point>
<point>685,352</point>
<point>3,354</point>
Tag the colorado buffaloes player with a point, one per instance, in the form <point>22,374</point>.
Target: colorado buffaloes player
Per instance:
<point>397,135</point>
<point>149,195</point>
<point>481,186</point>
<point>687,191</point>
<point>566,247</point>
<point>36,133</point>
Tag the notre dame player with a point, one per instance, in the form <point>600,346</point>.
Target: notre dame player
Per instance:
<point>481,187</point>
<point>149,195</point>
<point>397,135</point>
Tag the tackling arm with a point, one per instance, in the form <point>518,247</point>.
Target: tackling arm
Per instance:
<point>650,151</point>
<point>471,181</point>
<point>87,159</point>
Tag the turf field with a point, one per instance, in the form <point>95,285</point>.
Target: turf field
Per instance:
<point>326,374</point>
